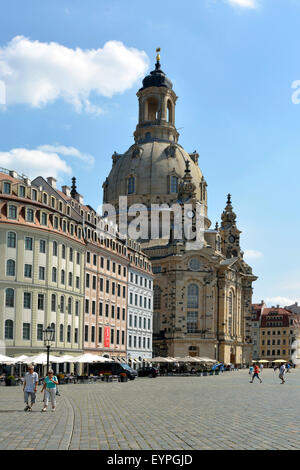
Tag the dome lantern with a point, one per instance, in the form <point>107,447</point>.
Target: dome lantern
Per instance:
<point>157,102</point>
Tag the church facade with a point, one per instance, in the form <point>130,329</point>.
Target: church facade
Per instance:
<point>202,296</point>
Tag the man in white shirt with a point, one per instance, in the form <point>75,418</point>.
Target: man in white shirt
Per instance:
<point>31,381</point>
<point>282,371</point>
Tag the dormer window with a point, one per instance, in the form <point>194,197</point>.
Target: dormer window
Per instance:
<point>53,202</point>
<point>34,194</point>
<point>45,198</point>
<point>22,191</point>
<point>60,206</point>
<point>6,188</point>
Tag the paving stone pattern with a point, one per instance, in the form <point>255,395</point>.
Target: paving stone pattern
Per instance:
<point>178,413</point>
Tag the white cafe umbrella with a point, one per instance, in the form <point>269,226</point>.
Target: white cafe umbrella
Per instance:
<point>41,359</point>
<point>90,358</point>
<point>6,359</point>
<point>20,359</point>
<point>160,359</point>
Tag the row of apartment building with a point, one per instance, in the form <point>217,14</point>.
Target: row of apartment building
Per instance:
<point>274,331</point>
<point>63,265</point>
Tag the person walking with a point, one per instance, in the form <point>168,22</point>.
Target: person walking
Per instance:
<point>261,366</point>
<point>282,371</point>
<point>50,390</point>
<point>256,374</point>
<point>31,380</point>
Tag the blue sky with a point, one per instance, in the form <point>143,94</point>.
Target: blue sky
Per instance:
<point>232,62</point>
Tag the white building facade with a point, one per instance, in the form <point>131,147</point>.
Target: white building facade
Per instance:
<point>139,316</point>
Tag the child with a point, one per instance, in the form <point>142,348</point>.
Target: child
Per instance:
<point>50,390</point>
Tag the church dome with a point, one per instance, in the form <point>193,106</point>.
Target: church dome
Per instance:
<point>154,170</point>
<point>157,78</point>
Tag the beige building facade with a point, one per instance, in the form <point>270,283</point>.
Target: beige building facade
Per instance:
<point>41,270</point>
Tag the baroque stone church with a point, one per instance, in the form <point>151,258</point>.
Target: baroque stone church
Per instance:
<point>203,297</point>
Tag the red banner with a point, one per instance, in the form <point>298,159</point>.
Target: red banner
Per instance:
<point>106,336</point>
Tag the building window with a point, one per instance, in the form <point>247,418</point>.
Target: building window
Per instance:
<point>230,313</point>
<point>62,304</point>
<point>193,293</point>
<point>54,248</point>
<point>77,282</point>
<point>41,301</point>
<point>9,298</point>
<point>26,331</point>
<point>21,191</point>
<point>123,314</point>
<point>93,307</point>
<point>34,194</point>
<point>61,333</point>
<point>41,273</point>
<point>76,335</point>
<point>71,254</point>
<point>94,282</point>
<point>9,329</point>
<point>10,267</point>
<point>78,257</point>
<point>77,308</point>
<point>86,333</point>
<point>100,334</point>
<point>112,336</point>
<point>192,322</point>
<point>93,334</point>
<point>131,185</point>
<point>42,246</point>
<point>70,279</point>
<point>12,212</point>
<point>173,184</point>
<point>53,303</point>
<point>39,332</point>
<point>100,309</point>
<point>27,300</point>
<point>70,305</point>
<point>28,243</point>
<point>29,215</point>
<point>62,276</point>
<point>69,334</point>
<point>87,306</point>
<point>28,270</point>
<point>54,274</point>
<point>6,188</point>
<point>11,240</point>
<point>44,219</point>
<point>63,252</point>
<point>157,298</point>
<point>106,310</point>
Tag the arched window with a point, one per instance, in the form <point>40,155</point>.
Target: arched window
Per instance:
<point>10,267</point>
<point>54,248</point>
<point>61,333</point>
<point>157,298</point>
<point>53,303</point>
<point>131,185</point>
<point>9,298</point>
<point>193,296</point>
<point>70,305</point>
<point>69,334</point>
<point>54,274</point>
<point>62,276</point>
<point>9,329</point>
<point>11,240</point>
<point>229,314</point>
<point>173,184</point>
<point>62,304</point>
<point>169,112</point>
<point>152,109</point>
<point>70,279</point>
<point>53,328</point>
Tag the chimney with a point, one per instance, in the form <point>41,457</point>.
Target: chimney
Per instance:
<point>278,306</point>
<point>66,190</point>
<point>13,174</point>
<point>51,181</point>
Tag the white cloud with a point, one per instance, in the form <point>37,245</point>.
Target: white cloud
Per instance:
<point>34,162</point>
<point>282,301</point>
<point>37,73</point>
<point>243,3</point>
<point>253,254</point>
<point>67,151</point>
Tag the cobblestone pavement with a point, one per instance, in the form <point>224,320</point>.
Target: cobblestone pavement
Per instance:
<point>184,413</point>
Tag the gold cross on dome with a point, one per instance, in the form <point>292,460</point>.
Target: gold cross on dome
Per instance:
<point>158,54</point>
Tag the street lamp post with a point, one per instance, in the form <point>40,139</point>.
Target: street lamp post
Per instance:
<point>48,335</point>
